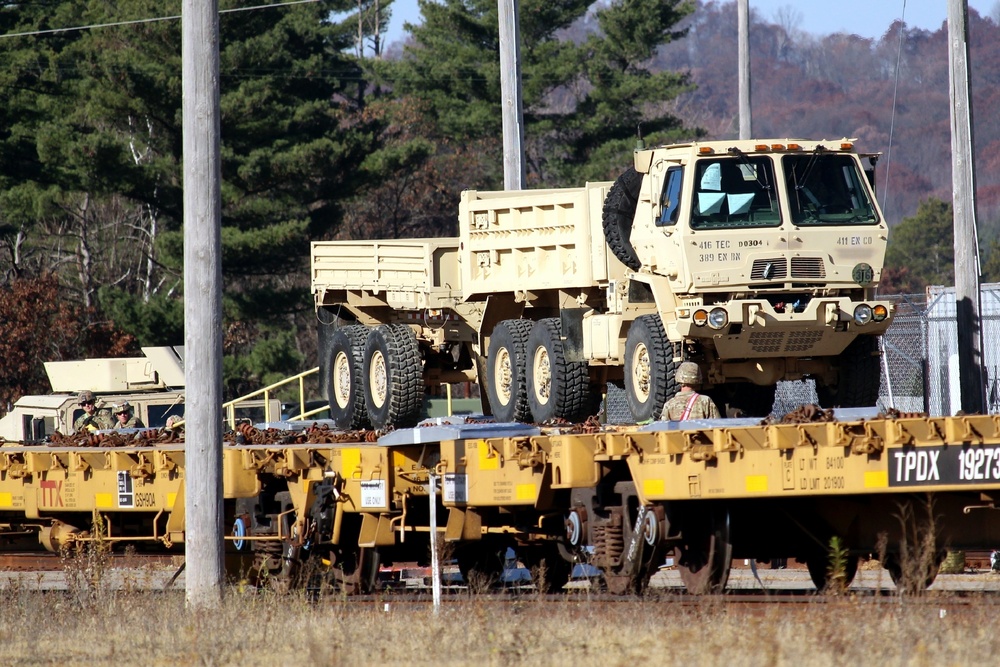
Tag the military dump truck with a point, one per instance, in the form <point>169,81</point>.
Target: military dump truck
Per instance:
<point>755,259</point>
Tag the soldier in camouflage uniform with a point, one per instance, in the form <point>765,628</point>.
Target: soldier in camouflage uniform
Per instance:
<point>92,419</point>
<point>689,404</point>
<point>124,417</point>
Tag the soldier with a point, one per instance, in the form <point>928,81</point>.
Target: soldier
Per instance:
<point>92,419</point>
<point>123,415</point>
<point>689,404</point>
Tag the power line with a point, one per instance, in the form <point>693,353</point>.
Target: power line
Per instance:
<point>892,115</point>
<point>150,20</point>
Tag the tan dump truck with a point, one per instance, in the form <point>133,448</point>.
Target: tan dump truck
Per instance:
<point>756,259</point>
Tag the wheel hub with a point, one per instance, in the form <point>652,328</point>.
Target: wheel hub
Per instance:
<point>342,379</point>
<point>504,376</point>
<point>542,368</point>
<point>641,382</point>
<point>378,379</point>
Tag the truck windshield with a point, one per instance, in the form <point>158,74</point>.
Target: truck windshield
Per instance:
<point>734,192</point>
<point>827,190</point>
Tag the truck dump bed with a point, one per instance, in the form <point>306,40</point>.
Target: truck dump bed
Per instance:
<point>405,274</point>
<point>532,239</point>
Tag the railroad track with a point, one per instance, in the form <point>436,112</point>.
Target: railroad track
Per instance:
<point>36,561</point>
<point>46,572</point>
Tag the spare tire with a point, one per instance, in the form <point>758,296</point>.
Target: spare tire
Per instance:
<point>619,211</point>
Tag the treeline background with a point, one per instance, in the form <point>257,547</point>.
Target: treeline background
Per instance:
<point>329,134</point>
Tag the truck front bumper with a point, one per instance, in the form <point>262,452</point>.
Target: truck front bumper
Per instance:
<point>754,328</point>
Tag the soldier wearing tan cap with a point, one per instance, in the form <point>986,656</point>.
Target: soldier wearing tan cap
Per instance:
<point>689,404</point>
<point>93,418</point>
<point>124,417</point>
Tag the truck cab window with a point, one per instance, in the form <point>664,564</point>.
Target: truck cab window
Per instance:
<point>670,201</point>
<point>735,192</point>
<point>827,190</point>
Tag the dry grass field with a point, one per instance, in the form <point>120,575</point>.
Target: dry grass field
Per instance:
<point>84,626</point>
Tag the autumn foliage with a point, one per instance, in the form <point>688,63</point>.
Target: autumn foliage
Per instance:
<point>37,325</point>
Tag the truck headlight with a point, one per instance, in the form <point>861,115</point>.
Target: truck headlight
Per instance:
<point>863,314</point>
<point>718,318</point>
<point>700,317</point>
<point>879,313</point>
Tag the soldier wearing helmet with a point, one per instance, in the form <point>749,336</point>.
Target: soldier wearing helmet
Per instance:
<point>124,417</point>
<point>689,404</point>
<point>94,418</point>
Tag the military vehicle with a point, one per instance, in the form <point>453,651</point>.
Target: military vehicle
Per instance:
<point>153,384</point>
<point>756,259</point>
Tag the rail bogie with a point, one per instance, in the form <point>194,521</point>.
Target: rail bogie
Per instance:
<point>621,499</point>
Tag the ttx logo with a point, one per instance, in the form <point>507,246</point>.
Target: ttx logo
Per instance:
<point>51,491</point>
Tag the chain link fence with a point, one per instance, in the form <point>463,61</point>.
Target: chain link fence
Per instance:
<point>919,359</point>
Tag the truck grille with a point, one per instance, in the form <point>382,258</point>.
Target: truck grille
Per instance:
<point>773,342</point>
<point>769,269</point>
<point>764,342</point>
<point>808,267</point>
<point>802,341</point>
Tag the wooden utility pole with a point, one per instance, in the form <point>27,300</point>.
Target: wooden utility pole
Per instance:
<point>746,118</point>
<point>963,183</point>
<point>203,539</point>
<point>512,113</point>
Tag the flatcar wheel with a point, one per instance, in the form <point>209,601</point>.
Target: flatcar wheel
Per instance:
<point>273,568</point>
<point>481,564</point>
<point>357,572</point>
<point>705,554</point>
<point>819,570</point>
<point>914,580</point>
<point>549,570</point>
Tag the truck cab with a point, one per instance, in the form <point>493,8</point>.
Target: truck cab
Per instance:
<point>762,259</point>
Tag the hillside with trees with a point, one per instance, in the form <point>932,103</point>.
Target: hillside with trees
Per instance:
<point>328,134</point>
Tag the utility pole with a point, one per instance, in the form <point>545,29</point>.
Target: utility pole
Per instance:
<point>203,538</point>
<point>963,182</point>
<point>512,113</point>
<point>746,118</point>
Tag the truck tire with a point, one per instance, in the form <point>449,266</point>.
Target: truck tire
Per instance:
<point>393,377</point>
<point>506,384</point>
<point>557,388</point>
<point>619,212</point>
<point>860,377</point>
<point>345,381</point>
<point>649,368</point>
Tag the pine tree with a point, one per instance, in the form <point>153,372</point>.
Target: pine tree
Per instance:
<point>91,163</point>
<point>584,99</point>
<point>924,244</point>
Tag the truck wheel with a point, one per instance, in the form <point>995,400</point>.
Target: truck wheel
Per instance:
<point>860,377</point>
<point>345,384</point>
<point>619,212</point>
<point>393,376</point>
<point>649,368</point>
<point>506,387</point>
<point>557,388</point>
